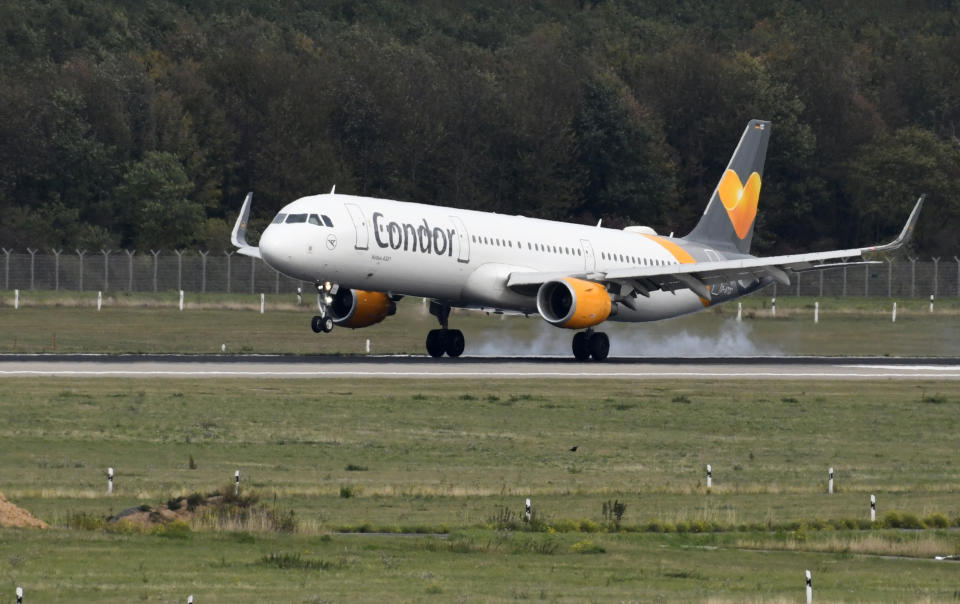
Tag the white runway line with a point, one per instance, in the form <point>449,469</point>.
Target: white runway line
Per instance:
<point>692,374</point>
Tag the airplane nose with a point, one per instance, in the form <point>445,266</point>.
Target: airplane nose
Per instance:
<point>277,250</point>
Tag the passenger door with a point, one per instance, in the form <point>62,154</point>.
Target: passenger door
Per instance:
<point>360,224</point>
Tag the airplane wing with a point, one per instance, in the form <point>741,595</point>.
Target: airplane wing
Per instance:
<point>239,235</point>
<point>700,275</point>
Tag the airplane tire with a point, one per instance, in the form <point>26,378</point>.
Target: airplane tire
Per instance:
<point>599,345</point>
<point>454,342</point>
<point>435,343</point>
<point>581,350</point>
<point>316,324</point>
<point>327,325</point>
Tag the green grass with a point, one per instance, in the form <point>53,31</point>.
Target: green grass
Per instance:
<point>151,323</point>
<point>449,457</point>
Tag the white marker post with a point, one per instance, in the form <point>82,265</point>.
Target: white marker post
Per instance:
<point>873,509</point>
<point>190,599</point>
<point>109,480</point>
<point>709,477</point>
<point>528,510</point>
<point>816,312</point>
<point>894,312</point>
<point>931,302</point>
<point>181,299</point>
<point>809,588</point>
<point>773,308</point>
<point>262,302</point>
<point>16,299</point>
<point>299,296</point>
<point>223,348</point>
<point>739,311</point>
<point>19,595</point>
<point>830,484</point>
<point>368,345</point>
<point>236,482</point>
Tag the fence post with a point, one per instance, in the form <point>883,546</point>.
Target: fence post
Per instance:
<point>821,283</point>
<point>6,268</point>
<point>203,270</point>
<point>81,254</point>
<point>106,279</point>
<point>889,277</point>
<point>179,254</point>
<point>130,255</point>
<point>936,274</point>
<point>957,260</point>
<point>913,277</point>
<point>155,262</point>
<point>228,255</point>
<point>33,255</point>
<point>276,281</point>
<point>56,268</point>
<point>798,284</point>
<point>844,281</point>
<point>253,273</point>
<point>866,280</point>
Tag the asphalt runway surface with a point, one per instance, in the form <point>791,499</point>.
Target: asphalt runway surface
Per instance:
<point>420,367</point>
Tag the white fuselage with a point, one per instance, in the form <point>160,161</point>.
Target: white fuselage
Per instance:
<point>459,257</point>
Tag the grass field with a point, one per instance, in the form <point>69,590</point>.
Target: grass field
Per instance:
<point>457,459</point>
<point>151,323</point>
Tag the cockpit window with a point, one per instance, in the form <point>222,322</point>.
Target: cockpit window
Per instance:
<point>327,221</point>
<point>314,219</point>
<point>279,218</point>
<point>296,218</point>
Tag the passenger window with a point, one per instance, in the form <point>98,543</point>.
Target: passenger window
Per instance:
<point>279,218</point>
<point>296,218</point>
<point>511,243</point>
<point>326,220</point>
<point>314,219</point>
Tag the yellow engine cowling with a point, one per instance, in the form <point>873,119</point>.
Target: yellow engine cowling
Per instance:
<point>358,308</point>
<point>573,303</point>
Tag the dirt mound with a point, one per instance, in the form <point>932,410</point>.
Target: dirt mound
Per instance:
<point>181,509</point>
<point>12,516</point>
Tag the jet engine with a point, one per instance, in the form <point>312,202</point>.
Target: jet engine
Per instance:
<point>357,308</point>
<point>573,303</point>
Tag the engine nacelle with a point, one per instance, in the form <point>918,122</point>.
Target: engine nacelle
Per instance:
<point>573,303</point>
<point>357,308</point>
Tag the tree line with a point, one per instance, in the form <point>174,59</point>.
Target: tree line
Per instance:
<point>142,125</point>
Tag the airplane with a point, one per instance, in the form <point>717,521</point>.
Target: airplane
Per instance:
<point>364,254</point>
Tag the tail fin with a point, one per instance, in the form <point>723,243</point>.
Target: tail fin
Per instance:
<point>727,223</point>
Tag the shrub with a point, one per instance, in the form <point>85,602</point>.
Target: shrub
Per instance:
<point>589,526</point>
<point>356,468</point>
<point>173,504</point>
<point>192,463</point>
<point>177,529</point>
<point>587,547</point>
<point>193,501</point>
<point>84,521</point>
<point>937,521</point>
<point>681,398</point>
<point>346,491</point>
<point>294,561</point>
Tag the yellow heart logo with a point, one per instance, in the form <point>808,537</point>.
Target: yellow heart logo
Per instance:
<point>740,201</point>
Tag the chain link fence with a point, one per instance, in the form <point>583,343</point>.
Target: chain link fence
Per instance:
<point>127,270</point>
<point>154,271</point>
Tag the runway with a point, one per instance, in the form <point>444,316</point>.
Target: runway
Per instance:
<point>421,367</point>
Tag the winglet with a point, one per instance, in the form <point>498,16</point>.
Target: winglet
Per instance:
<point>239,235</point>
<point>905,234</point>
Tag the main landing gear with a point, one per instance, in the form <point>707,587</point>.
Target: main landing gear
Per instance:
<point>444,340</point>
<point>591,343</point>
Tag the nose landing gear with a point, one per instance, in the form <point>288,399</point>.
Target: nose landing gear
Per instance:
<point>589,343</point>
<point>323,322</point>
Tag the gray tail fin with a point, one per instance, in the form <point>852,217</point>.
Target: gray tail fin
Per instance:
<point>727,223</point>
